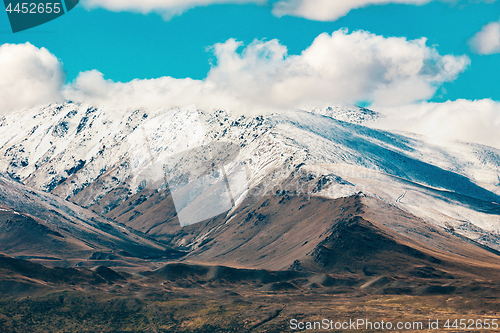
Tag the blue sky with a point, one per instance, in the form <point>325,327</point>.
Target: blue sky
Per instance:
<point>124,45</point>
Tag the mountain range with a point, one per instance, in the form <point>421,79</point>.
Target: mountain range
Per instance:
<point>316,191</point>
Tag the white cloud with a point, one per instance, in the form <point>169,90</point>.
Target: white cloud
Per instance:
<point>487,41</point>
<point>167,8</point>
<point>320,10</point>
<point>330,10</point>
<point>337,68</point>
<point>470,121</point>
<point>341,67</point>
<point>165,91</point>
<point>30,76</point>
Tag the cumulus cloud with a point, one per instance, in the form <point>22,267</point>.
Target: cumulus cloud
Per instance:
<point>338,68</point>
<point>341,67</point>
<point>487,41</point>
<point>30,76</point>
<point>167,8</point>
<point>470,121</point>
<point>330,10</point>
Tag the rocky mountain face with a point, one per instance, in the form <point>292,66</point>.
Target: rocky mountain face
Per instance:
<point>314,190</point>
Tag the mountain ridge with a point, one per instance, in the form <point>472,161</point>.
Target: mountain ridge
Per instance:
<point>89,161</point>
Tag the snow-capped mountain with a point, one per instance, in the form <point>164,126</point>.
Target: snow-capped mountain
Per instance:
<point>350,114</point>
<point>104,160</point>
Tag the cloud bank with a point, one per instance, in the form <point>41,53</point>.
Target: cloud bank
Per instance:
<point>30,76</point>
<point>338,68</point>
<point>470,121</point>
<point>487,41</point>
<point>166,8</point>
<point>395,74</point>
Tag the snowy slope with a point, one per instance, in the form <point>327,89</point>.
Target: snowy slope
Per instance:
<point>82,153</point>
<point>350,114</point>
<point>40,225</point>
